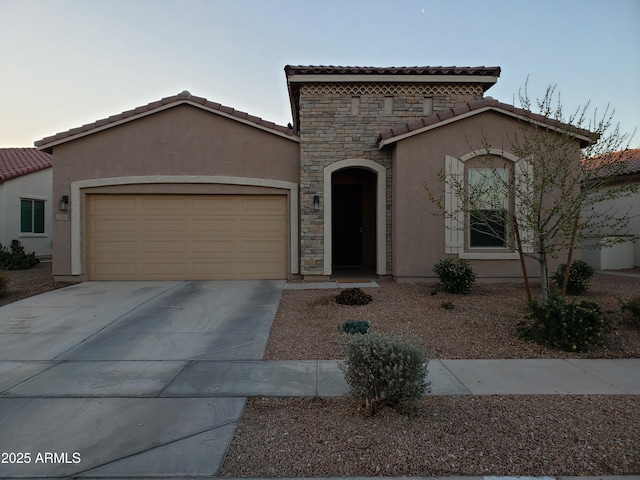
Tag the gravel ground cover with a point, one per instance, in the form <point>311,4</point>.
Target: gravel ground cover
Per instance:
<point>27,283</point>
<point>480,325</point>
<point>465,435</point>
<point>453,435</point>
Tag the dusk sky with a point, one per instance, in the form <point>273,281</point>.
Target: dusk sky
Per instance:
<point>66,63</point>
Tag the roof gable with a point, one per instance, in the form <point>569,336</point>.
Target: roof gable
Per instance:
<point>466,110</point>
<point>184,98</point>
<point>15,162</point>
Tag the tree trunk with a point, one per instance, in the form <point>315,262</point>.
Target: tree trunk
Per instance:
<point>525,276</point>
<point>567,269</point>
<point>544,274</point>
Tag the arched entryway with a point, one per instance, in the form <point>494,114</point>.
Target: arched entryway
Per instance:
<point>353,219</point>
<point>355,215</point>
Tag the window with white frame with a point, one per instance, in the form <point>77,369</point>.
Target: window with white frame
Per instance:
<point>483,231</point>
<point>31,215</point>
<point>488,200</point>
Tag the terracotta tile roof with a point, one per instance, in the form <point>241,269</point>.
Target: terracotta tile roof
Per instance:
<point>630,159</point>
<point>299,74</point>
<point>182,98</point>
<point>465,109</point>
<point>15,162</point>
<point>336,70</point>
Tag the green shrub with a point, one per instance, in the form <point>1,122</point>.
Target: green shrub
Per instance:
<point>456,275</point>
<point>447,305</point>
<point>580,274</point>
<point>4,284</point>
<point>353,296</point>
<point>573,327</point>
<point>632,306</point>
<point>16,258</point>
<point>384,370</point>
<point>355,326</point>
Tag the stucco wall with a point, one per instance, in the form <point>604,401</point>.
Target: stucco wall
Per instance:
<point>181,141</point>
<point>37,186</point>
<point>622,256</point>
<point>419,225</point>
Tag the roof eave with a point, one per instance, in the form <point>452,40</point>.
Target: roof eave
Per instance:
<point>584,139</point>
<point>379,78</point>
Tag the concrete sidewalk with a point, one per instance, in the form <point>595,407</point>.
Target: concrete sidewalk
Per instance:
<point>448,377</point>
<point>150,379</point>
<point>258,378</point>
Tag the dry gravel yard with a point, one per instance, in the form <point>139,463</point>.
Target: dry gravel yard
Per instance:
<point>459,435</point>
<point>481,324</point>
<point>453,435</point>
<point>27,283</point>
<point>465,435</point>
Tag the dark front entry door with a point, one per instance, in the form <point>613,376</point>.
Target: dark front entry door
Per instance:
<point>346,210</point>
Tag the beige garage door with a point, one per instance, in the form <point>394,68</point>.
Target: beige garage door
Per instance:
<point>190,237</point>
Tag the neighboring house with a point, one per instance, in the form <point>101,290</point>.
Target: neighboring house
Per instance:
<point>25,199</point>
<point>625,254</point>
<point>185,188</point>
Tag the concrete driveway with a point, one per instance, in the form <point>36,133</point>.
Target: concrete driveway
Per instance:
<point>96,380</point>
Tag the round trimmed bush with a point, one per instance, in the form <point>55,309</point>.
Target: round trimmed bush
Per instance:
<point>580,274</point>
<point>456,275</point>
<point>384,370</point>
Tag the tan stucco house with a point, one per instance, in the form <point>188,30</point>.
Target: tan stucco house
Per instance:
<point>26,199</point>
<point>185,188</point>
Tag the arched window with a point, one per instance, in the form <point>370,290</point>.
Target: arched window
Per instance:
<point>484,190</point>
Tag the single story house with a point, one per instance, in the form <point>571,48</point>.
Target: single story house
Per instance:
<point>186,188</point>
<point>625,254</point>
<point>25,199</point>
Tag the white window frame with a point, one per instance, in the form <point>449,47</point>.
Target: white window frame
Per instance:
<point>455,222</point>
<point>505,206</point>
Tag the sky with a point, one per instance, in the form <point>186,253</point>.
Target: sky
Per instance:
<point>66,63</point>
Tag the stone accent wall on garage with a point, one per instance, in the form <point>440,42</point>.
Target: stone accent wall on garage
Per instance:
<point>341,121</point>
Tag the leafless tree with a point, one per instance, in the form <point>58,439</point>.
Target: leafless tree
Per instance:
<point>543,206</point>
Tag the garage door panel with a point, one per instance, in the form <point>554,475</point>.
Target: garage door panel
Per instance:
<point>112,226</point>
<point>114,204</point>
<point>115,247</point>
<point>215,225</point>
<point>164,269</point>
<point>164,246</point>
<point>159,237</point>
<point>264,204</point>
<point>262,247</point>
<point>115,270</point>
<point>209,204</point>
<point>263,226</point>
<point>262,269</point>
<point>214,246</point>
<point>153,225</point>
<point>164,204</point>
<point>221,269</point>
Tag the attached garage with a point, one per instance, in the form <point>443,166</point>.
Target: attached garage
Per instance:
<point>186,237</point>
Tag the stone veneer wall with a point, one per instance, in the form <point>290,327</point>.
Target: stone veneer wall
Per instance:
<point>331,131</point>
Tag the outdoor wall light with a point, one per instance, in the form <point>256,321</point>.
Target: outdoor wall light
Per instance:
<point>316,201</point>
<point>64,203</point>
